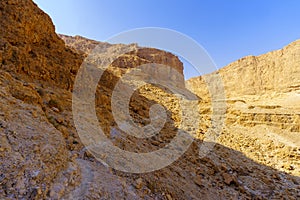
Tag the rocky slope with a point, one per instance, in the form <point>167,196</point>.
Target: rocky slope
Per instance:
<point>263,109</point>
<point>42,157</point>
<point>31,49</point>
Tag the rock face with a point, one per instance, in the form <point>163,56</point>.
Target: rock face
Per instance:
<point>32,56</point>
<point>263,104</point>
<point>33,152</point>
<point>41,154</point>
<point>131,59</point>
<point>30,48</point>
<point>277,71</point>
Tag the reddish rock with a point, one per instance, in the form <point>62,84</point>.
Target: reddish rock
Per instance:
<point>229,178</point>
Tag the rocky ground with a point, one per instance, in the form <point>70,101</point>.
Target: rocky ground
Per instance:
<point>263,109</point>
<point>41,154</point>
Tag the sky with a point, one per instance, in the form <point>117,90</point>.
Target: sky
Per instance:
<point>226,29</point>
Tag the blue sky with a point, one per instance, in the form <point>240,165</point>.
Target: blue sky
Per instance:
<point>227,29</point>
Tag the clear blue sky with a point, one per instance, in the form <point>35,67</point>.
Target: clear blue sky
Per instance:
<point>227,29</point>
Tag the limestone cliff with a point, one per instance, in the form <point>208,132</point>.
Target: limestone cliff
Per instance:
<point>276,71</point>
<point>263,103</point>
<point>41,155</point>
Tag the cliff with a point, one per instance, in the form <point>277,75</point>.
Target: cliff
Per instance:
<point>263,104</point>
<point>30,47</point>
<point>41,154</point>
<point>276,71</point>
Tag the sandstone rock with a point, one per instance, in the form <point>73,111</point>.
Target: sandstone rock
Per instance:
<point>169,197</point>
<point>229,178</point>
<point>139,183</point>
<point>21,142</point>
<point>263,108</point>
<point>43,157</point>
<point>27,39</point>
<point>198,181</point>
<point>275,71</point>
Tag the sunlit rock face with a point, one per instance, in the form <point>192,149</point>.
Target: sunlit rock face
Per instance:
<point>31,49</point>
<point>263,106</point>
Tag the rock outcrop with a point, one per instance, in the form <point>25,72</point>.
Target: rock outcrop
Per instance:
<point>129,60</point>
<point>30,48</point>
<point>263,106</point>
<point>41,154</point>
<point>277,71</point>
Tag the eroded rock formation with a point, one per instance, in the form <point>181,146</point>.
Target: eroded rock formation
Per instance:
<point>41,154</point>
<point>263,106</point>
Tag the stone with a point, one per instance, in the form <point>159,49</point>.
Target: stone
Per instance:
<point>198,181</point>
<point>139,183</point>
<point>169,197</point>
<point>229,178</point>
